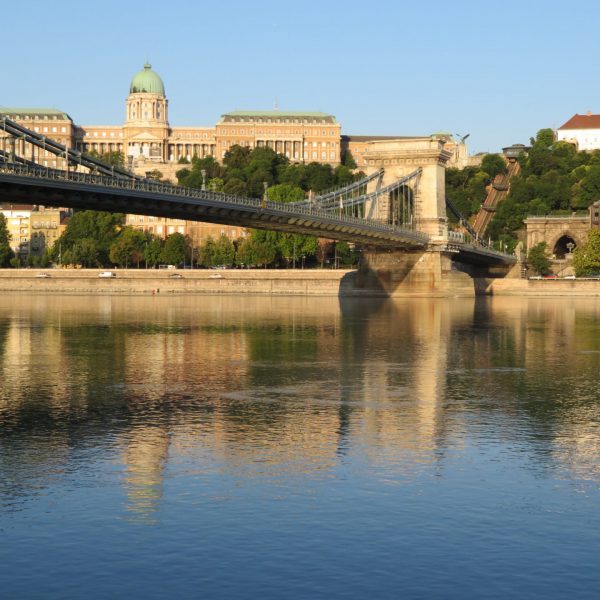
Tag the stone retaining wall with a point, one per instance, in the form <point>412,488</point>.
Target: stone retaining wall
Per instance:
<point>284,282</point>
<point>133,281</point>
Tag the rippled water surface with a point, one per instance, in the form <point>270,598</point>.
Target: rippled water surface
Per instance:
<point>241,447</point>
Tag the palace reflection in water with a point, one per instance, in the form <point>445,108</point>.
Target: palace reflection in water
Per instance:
<point>288,393</point>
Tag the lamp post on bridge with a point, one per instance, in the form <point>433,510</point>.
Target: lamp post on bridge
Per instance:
<point>203,173</point>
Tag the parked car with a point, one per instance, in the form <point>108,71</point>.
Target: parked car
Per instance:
<point>215,276</point>
<point>175,276</point>
<point>43,275</point>
<point>107,274</point>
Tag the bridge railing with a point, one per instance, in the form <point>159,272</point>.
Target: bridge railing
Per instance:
<point>156,187</point>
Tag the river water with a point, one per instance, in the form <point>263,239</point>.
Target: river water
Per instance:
<point>241,447</point>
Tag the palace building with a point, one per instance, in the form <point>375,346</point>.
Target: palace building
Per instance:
<point>149,143</point>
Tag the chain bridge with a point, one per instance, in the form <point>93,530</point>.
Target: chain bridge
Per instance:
<point>399,206</point>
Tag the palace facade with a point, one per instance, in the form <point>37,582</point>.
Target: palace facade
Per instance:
<point>149,143</point>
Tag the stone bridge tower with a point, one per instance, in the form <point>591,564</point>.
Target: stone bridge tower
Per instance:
<point>429,272</point>
<point>401,157</point>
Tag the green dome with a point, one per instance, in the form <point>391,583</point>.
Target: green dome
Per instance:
<point>147,81</point>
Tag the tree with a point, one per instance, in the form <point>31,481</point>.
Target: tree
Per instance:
<point>235,186</point>
<point>206,253</point>
<point>588,189</point>
<point>285,192</point>
<point>348,160</point>
<point>224,252</point>
<point>346,255</point>
<point>237,157</point>
<point>256,250</point>
<point>174,250</point>
<point>586,258</point>
<point>152,251</point>
<point>538,259</point>
<point>6,253</point>
<point>115,159</point>
<point>493,164</point>
<point>156,175</point>
<point>128,249</point>
<point>85,252</point>
<point>292,246</point>
<point>101,227</point>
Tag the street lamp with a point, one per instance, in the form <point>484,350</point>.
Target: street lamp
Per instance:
<point>570,246</point>
<point>203,172</point>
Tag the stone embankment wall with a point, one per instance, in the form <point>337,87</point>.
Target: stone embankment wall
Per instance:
<point>284,282</point>
<point>540,287</point>
<point>133,281</point>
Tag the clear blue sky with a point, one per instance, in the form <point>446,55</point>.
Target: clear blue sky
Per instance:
<point>497,70</point>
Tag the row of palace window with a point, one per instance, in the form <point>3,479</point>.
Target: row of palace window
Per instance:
<point>103,134</point>
<point>314,155</point>
<point>50,130</point>
<point>228,143</point>
<point>276,131</point>
<point>267,120</point>
<point>37,117</point>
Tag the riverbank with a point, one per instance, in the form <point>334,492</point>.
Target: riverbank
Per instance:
<point>272,282</point>
<point>297,282</point>
<point>540,288</point>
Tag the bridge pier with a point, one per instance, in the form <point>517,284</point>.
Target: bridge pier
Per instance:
<point>430,273</point>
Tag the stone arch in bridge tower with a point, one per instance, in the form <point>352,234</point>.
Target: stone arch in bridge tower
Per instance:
<point>401,157</point>
<point>560,244</point>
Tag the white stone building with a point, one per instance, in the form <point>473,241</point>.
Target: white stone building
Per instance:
<point>581,130</point>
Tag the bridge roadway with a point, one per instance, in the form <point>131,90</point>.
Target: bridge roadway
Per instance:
<point>23,183</point>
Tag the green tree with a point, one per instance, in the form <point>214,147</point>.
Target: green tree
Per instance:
<point>174,250</point>
<point>256,250</point>
<point>285,192</point>
<point>237,157</point>
<point>493,164</point>
<point>206,253</point>
<point>6,252</point>
<point>115,159</point>
<point>348,160</point>
<point>586,258</point>
<point>538,259</point>
<point>155,174</point>
<point>224,252</point>
<point>587,191</point>
<point>128,249</point>
<point>347,256</point>
<point>101,227</point>
<point>85,252</point>
<point>292,246</point>
<point>235,186</point>
<point>152,251</point>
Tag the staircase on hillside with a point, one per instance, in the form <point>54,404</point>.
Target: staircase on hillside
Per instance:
<point>497,193</point>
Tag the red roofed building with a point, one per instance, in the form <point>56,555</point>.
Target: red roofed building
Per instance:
<point>581,130</point>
